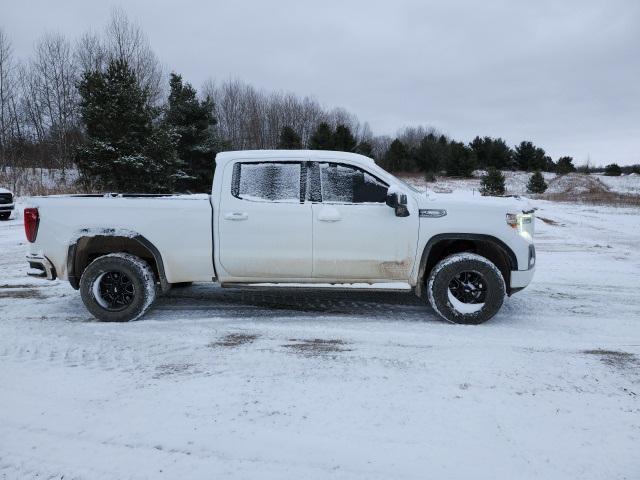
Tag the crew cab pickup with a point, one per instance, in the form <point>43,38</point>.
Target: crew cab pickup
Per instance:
<point>292,216</point>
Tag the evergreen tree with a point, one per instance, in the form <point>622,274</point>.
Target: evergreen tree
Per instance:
<point>322,138</point>
<point>492,152</point>
<point>365,148</point>
<point>396,157</point>
<point>565,165</point>
<point>461,161</point>
<point>529,157</point>
<point>536,183</point>
<point>124,149</point>
<point>194,122</point>
<point>492,182</point>
<point>343,139</point>
<point>612,170</point>
<point>431,154</point>
<point>289,139</point>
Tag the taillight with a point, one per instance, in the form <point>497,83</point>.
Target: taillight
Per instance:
<point>31,222</point>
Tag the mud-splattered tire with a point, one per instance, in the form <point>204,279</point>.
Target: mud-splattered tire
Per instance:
<point>118,287</point>
<point>444,283</point>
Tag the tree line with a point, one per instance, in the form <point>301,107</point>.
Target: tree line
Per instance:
<point>102,104</point>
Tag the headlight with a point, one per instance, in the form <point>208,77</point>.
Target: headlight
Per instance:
<point>523,222</point>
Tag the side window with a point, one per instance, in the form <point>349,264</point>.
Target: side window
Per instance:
<point>346,184</point>
<point>267,182</point>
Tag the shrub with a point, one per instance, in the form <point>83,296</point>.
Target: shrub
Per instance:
<point>492,182</point>
<point>613,170</point>
<point>536,183</point>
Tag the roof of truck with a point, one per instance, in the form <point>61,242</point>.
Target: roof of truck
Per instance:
<point>224,157</point>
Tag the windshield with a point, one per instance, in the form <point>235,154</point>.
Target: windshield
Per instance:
<point>410,187</point>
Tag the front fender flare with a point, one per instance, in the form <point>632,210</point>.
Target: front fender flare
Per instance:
<point>508,252</point>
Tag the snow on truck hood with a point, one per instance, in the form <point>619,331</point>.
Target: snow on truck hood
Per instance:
<point>4,190</point>
<point>459,198</point>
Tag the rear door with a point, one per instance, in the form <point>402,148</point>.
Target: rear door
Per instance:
<point>356,236</point>
<point>264,222</point>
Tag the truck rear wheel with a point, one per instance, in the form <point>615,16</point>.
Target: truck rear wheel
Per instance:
<point>118,287</point>
<point>466,288</point>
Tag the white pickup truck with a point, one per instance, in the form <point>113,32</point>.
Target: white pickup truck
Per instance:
<point>290,216</point>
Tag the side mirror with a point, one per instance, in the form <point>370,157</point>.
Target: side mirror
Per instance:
<point>398,201</point>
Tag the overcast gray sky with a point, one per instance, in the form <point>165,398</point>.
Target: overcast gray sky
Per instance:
<point>564,74</point>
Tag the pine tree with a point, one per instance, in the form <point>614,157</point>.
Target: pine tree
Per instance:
<point>529,157</point>
<point>194,122</point>
<point>492,152</point>
<point>565,165</point>
<point>431,154</point>
<point>343,139</point>
<point>396,157</point>
<point>492,182</point>
<point>289,139</point>
<point>460,161</point>
<point>124,150</point>
<point>536,183</point>
<point>322,138</point>
<point>612,170</point>
<point>365,148</point>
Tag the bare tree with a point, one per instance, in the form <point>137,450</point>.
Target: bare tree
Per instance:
<point>122,39</point>
<point>9,125</point>
<point>125,40</point>
<point>90,52</point>
<point>51,97</point>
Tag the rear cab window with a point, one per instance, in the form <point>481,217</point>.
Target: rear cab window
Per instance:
<point>268,181</point>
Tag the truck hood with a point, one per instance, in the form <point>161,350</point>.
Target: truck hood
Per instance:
<point>466,199</point>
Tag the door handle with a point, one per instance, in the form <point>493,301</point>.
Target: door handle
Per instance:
<point>236,216</point>
<point>329,214</point>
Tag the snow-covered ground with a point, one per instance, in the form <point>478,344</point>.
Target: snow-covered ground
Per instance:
<point>516,182</point>
<point>316,384</point>
<point>623,184</point>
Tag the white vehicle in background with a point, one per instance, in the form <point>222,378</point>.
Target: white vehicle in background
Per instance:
<point>6,203</point>
<point>285,217</point>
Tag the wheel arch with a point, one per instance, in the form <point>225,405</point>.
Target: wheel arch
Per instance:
<point>88,245</point>
<point>445,244</point>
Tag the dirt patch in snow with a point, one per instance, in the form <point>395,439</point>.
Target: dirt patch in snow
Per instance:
<point>615,358</point>
<point>549,221</point>
<point>234,340</point>
<point>317,346</point>
<point>18,292</point>
<point>173,369</point>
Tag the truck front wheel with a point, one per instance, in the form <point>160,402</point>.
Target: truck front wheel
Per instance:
<point>118,287</point>
<point>466,288</point>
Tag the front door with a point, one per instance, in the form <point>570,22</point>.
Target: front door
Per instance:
<point>264,223</point>
<point>356,236</point>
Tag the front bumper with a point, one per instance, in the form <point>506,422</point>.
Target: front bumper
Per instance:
<point>521,278</point>
<point>41,267</point>
<point>7,208</point>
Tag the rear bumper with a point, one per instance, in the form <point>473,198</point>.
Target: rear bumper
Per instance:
<point>41,267</point>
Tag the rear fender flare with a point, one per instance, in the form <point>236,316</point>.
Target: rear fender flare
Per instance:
<point>127,235</point>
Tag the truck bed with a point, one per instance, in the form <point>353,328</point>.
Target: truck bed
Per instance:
<point>178,225</point>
